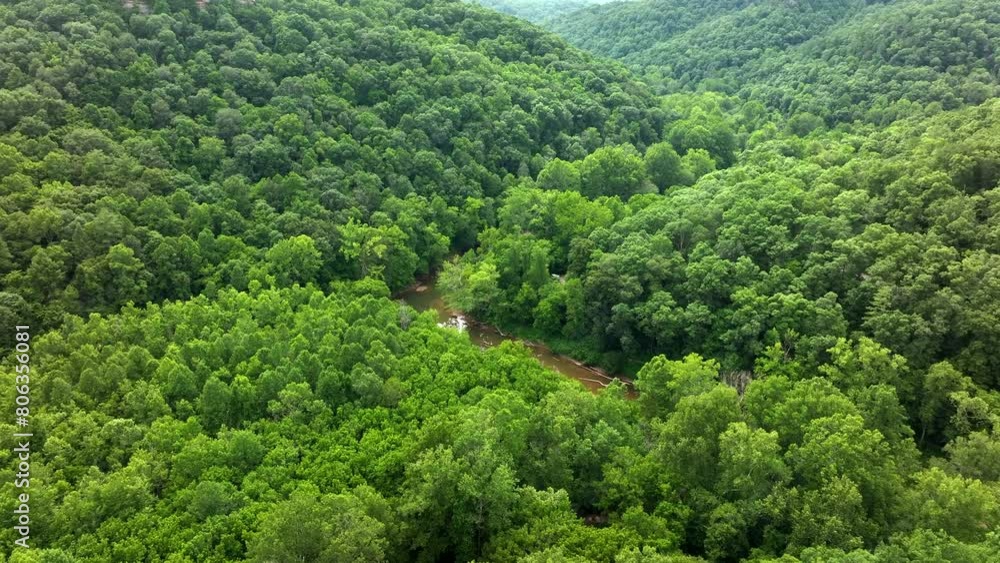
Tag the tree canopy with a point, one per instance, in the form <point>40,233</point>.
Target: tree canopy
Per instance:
<point>778,220</point>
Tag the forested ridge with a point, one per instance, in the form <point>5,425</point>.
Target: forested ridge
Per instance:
<point>152,157</point>
<point>620,28</point>
<point>804,241</point>
<point>207,209</point>
<point>843,60</point>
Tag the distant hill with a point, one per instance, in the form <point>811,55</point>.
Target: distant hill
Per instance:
<point>539,10</point>
<point>843,59</point>
<point>622,28</point>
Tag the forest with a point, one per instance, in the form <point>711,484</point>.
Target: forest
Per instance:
<point>778,222</point>
<point>840,60</point>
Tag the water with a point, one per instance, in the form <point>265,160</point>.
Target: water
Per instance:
<point>426,297</point>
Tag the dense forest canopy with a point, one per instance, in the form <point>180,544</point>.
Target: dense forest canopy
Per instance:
<point>156,156</point>
<point>805,240</point>
<point>844,60</point>
<point>617,29</point>
<point>787,232</point>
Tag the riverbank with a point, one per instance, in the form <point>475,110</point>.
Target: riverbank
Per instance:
<point>423,295</point>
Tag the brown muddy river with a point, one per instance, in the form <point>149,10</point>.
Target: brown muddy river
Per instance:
<point>426,297</point>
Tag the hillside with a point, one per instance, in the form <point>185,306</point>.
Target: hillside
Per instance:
<point>786,234</point>
<point>619,29</point>
<point>845,60</point>
<point>152,157</point>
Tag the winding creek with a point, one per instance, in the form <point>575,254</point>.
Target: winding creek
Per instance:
<point>424,297</point>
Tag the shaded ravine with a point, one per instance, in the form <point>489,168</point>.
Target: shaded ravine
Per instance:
<point>425,296</point>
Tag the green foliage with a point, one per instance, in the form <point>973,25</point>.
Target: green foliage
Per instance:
<point>611,171</point>
<point>483,454</point>
<point>154,152</point>
<point>800,243</point>
<point>293,482</point>
<point>208,206</point>
<point>817,62</point>
<point>329,529</point>
<point>620,28</point>
<point>664,166</point>
<point>294,260</point>
<point>470,287</point>
<point>559,175</point>
<point>662,383</point>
